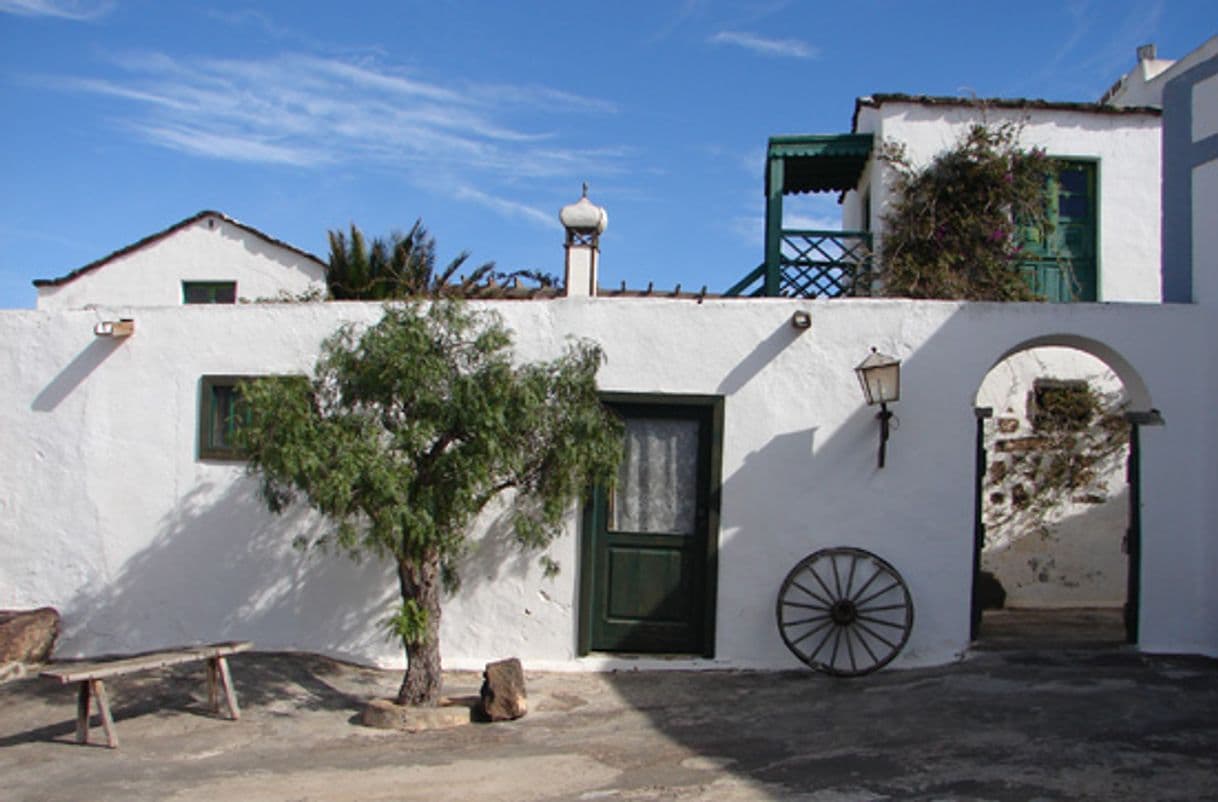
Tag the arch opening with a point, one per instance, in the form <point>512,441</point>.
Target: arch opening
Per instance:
<point>1053,563</point>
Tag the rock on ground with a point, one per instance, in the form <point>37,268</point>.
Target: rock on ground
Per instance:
<point>503,695</point>
<point>28,636</point>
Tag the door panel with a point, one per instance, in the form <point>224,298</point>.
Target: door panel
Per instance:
<point>649,540</point>
<point>1061,262</point>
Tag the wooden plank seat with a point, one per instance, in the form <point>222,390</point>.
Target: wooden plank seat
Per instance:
<point>90,676</point>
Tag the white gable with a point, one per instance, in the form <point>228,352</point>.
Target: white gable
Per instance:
<point>207,248</point>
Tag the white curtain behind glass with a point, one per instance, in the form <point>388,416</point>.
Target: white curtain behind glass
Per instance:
<point>657,483</point>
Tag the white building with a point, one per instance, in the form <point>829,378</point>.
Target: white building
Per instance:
<point>116,508</point>
<point>207,258</point>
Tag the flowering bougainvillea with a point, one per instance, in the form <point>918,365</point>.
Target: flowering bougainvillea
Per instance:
<point>957,226</point>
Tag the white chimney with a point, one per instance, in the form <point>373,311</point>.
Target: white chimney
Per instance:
<point>584,222</point>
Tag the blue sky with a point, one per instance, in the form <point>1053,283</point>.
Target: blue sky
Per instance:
<point>121,118</point>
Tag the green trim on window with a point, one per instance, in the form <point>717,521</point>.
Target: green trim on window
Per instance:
<point>1062,262</point>
<point>209,292</point>
<point>219,411</point>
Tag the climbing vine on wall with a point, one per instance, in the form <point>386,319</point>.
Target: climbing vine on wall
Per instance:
<point>1079,435</point>
<point>955,230</point>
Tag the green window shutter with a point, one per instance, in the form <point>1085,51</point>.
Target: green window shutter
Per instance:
<point>220,412</point>
<point>209,292</point>
<point>1061,257</point>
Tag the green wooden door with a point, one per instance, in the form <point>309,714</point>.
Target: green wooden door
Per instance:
<point>648,550</point>
<point>1061,264</point>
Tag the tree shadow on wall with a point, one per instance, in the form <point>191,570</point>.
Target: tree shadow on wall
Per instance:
<point>222,568</point>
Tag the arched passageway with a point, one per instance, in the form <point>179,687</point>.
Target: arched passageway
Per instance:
<point>1056,543</point>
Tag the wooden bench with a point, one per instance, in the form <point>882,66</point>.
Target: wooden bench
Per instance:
<point>91,674</point>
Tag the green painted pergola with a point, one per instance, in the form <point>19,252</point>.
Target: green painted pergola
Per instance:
<point>806,163</point>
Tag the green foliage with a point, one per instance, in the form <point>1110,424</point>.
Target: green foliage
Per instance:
<point>404,266</point>
<point>956,228</point>
<point>409,622</point>
<point>408,428</point>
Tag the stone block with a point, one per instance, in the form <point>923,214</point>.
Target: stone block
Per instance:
<point>28,636</point>
<point>387,714</point>
<point>503,694</point>
<point>1008,425</point>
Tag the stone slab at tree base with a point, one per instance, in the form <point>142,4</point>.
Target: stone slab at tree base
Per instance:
<point>386,714</point>
<point>503,696</point>
<point>28,636</point>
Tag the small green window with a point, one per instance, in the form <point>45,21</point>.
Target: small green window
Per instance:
<point>209,292</point>
<point>220,411</point>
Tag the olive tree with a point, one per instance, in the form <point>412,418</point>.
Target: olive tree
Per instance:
<point>408,428</point>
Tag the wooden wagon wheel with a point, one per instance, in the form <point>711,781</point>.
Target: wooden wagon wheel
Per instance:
<point>844,611</point>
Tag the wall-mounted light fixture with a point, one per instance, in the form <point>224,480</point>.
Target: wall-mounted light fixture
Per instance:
<point>801,320</point>
<point>880,377</point>
<point>123,327</point>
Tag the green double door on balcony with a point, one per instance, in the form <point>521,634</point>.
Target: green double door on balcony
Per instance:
<point>1061,263</point>
<point>648,546</point>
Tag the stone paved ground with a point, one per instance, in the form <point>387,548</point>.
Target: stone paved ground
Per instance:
<point>1025,725</point>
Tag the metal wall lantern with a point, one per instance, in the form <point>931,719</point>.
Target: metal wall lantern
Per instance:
<point>880,377</point>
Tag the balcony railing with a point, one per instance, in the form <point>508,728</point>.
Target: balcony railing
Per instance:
<point>813,264</point>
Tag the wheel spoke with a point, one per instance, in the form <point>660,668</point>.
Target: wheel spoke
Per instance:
<point>883,607</point>
<point>837,642</point>
<point>804,605</point>
<point>872,620</point>
<point>866,585</point>
<point>877,594</point>
<point>837,579</point>
<point>820,582</point>
<point>854,561</point>
<point>876,635</point>
<point>809,633</point>
<point>874,660</point>
<point>821,645</point>
<point>790,624</point>
<point>816,596</point>
<point>850,652</point>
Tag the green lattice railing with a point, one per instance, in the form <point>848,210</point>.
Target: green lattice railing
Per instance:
<point>813,264</point>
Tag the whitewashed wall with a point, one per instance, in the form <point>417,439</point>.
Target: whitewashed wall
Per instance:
<point>211,248</point>
<point>106,513</point>
<point>1126,145</point>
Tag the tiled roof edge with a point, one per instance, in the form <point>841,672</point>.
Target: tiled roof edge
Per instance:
<point>877,100</point>
<point>150,239</point>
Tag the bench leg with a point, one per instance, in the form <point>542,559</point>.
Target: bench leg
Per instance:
<point>213,697</point>
<point>103,707</point>
<point>82,713</point>
<point>230,694</point>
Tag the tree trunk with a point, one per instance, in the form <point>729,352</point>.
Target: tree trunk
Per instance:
<point>422,683</point>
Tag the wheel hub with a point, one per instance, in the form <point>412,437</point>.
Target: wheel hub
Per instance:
<point>844,612</point>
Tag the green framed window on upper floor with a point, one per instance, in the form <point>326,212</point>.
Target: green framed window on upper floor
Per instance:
<point>209,292</point>
<point>220,412</point>
<point>1062,261</point>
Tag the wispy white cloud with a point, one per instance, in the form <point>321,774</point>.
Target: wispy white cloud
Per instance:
<point>510,208</point>
<point>765,46</point>
<point>63,9</point>
<point>306,111</point>
<point>230,147</point>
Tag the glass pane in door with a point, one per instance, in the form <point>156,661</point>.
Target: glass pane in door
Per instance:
<point>657,484</point>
